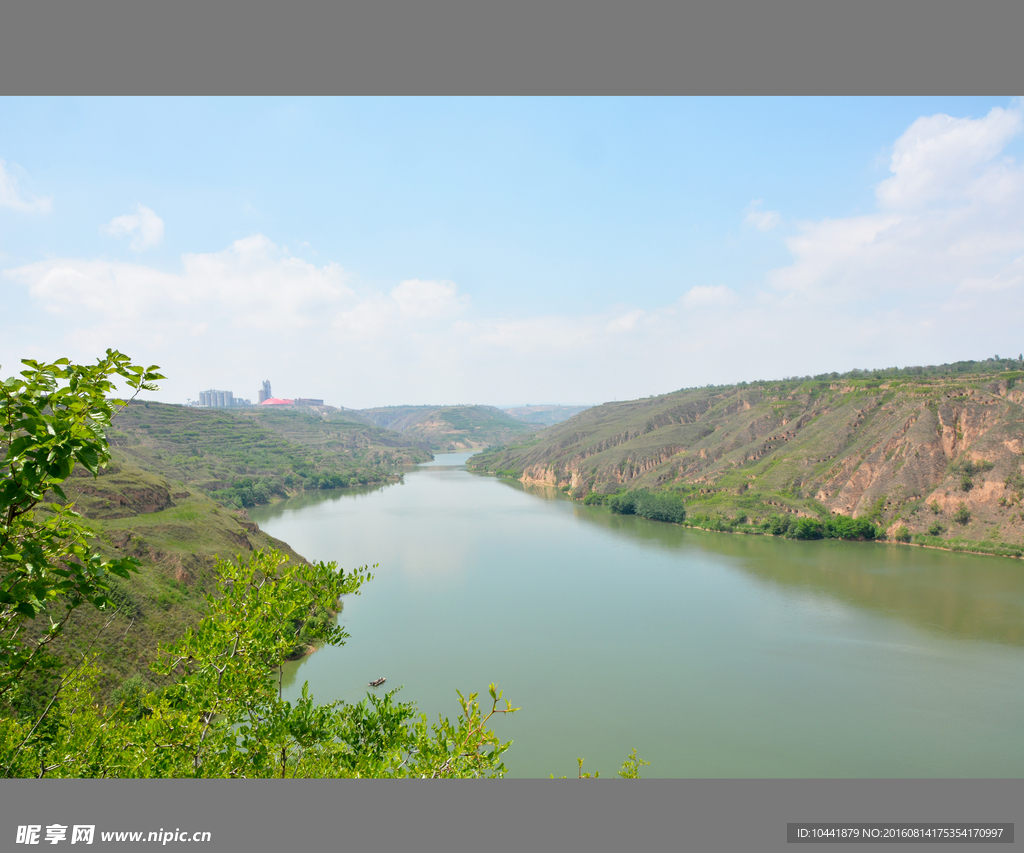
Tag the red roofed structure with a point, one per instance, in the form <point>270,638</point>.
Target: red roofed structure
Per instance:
<point>277,401</point>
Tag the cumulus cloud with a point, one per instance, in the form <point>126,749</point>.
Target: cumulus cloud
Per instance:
<point>762,220</point>
<point>144,227</point>
<point>252,284</point>
<point>948,216</point>
<point>941,159</point>
<point>12,196</point>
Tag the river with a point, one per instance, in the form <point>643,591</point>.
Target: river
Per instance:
<point>714,655</point>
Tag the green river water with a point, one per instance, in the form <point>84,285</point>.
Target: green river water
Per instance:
<point>714,655</point>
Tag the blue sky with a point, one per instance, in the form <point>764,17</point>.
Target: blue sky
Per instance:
<point>388,251</point>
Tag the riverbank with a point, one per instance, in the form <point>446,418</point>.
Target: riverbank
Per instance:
<point>954,547</point>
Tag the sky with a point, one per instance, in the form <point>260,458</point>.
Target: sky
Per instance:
<point>505,251</point>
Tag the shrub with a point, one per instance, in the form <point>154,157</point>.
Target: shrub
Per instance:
<point>808,528</point>
<point>844,527</point>
<point>901,534</point>
<point>965,469</point>
<point>657,506</point>
<point>936,529</point>
<point>962,514</point>
<point>777,525</point>
<point>660,506</point>
<point>623,504</point>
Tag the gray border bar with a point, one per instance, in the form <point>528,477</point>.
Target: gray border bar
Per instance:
<point>506,815</point>
<point>119,47</point>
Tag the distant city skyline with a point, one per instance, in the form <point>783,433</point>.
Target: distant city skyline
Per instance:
<point>387,251</point>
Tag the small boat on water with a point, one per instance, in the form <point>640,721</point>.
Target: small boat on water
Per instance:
<point>377,683</point>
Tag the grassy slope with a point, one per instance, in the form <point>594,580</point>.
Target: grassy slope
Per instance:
<point>448,428</point>
<point>177,532</point>
<point>156,501</point>
<point>287,450</point>
<point>886,449</point>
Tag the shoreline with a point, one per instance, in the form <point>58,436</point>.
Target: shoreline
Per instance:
<point>871,541</point>
<point>530,481</point>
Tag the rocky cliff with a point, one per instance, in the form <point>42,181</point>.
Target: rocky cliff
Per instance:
<point>942,452</point>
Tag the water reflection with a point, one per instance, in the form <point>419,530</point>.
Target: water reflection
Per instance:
<point>966,596</point>
<point>313,498</point>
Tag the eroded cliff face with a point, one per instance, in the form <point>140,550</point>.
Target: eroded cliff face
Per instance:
<point>857,451</point>
<point>127,501</point>
<point>914,462</point>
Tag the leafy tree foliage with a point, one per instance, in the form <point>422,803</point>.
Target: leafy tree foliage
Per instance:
<point>52,416</point>
<point>835,527</point>
<point>658,506</point>
<point>223,716</point>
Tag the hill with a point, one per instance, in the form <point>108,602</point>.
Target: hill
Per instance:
<point>247,456</point>
<point>545,415</point>
<point>937,452</point>
<point>174,496</point>
<point>449,428</point>
<point>176,532</point>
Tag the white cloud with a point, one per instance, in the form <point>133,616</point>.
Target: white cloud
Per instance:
<point>950,215</point>
<point>420,300</point>
<point>1009,278</point>
<point>762,220</point>
<point>706,296</point>
<point>939,158</point>
<point>144,227</point>
<point>12,196</point>
<point>250,285</point>
<point>625,322</point>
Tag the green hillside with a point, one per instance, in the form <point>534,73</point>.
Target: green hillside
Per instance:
<point>450,428</point>
<point>174,496</point>
<point>248,456</point>
<point>938,452</point>
<point>176,532</point>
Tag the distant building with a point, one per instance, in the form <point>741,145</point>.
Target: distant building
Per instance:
<point>213,399</point>
<point>267,398</point>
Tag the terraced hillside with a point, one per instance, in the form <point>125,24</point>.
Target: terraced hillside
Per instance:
<point>939,455</point>
<point>247,456</point>
<point>450,428</point>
